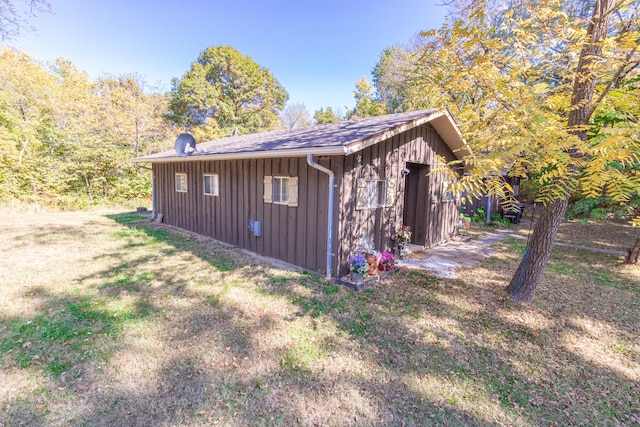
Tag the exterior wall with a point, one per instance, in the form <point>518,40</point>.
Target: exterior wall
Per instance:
<point>298,234</point>
<point>471,206</point>
<point>385,161</point>
<point>293,234</point>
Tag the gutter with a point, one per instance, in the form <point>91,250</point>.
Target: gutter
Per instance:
<point>329,172</point>
<point>292,152</point>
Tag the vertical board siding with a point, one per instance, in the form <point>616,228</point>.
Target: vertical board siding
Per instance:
<point>386,160</point>
<point>298,234</point>
<point>293,234</point>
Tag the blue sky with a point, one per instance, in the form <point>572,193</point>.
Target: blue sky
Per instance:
<point>317,50</point>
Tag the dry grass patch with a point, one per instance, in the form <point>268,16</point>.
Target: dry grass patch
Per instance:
<point>117,322</point>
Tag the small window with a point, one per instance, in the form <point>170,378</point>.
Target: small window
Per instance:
<point>376,194</point>
<point>181,182</point>
<point>373,194</point>
<point>447,194</point>
<point>211,185</point>
<point>281,190</point>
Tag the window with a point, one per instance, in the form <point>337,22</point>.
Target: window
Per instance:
<point>374,193</point>
<point>447,194</point>
<point>181,182</point>
<point>281,190</point>
<point>211,185</point>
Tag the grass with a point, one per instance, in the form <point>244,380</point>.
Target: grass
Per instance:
<point>610,234</point>
<point>107,320</point>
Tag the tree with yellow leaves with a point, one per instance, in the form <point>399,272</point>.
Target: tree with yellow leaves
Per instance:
<point>525,79</point>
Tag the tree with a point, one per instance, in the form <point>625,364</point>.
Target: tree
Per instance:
<point>226,92</point>
<point>133,114</point>
<point>396,78</point>
<point>12,21</point>
<point>323,116</point>
<point>65,140</point>
<point>366,104</point>
<point>525,79</point>
<point>295,116</point>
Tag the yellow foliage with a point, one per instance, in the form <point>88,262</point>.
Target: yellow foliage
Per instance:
<point>513,95</point>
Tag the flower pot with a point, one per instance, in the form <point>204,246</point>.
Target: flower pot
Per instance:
<point>357,277</point>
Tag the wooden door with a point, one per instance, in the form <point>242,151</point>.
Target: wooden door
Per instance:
<point>416,203</point>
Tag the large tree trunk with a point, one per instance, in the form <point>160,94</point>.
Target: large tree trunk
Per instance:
<point>527,277</point>
<point>633,254</point>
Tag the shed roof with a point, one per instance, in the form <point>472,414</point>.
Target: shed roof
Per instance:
<point>341,138</point>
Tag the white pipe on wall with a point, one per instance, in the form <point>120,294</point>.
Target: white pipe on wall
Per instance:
<point>329,172</point>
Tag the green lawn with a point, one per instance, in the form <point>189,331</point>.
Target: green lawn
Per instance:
<point>105,320</point>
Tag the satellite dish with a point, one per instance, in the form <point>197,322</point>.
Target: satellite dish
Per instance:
<point>185,145</point>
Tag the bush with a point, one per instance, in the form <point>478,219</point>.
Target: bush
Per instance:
<point>498,221</point>
<point>480,216</point>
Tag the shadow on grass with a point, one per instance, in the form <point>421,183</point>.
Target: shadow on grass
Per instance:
<point>426,351</point>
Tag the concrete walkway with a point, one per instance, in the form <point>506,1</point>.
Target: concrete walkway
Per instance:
<point>443,261</point>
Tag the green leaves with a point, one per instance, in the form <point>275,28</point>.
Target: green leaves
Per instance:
<point>65,139</point>
<point>224,91</point>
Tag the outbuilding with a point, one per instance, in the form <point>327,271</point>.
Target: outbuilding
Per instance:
<point>310,196</point>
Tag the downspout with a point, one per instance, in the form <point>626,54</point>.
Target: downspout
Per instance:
<point>329,172</point>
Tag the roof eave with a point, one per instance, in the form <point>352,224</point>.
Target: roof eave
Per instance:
<point>445,124</point>
<point>442,121</point>
<point>294,152</point>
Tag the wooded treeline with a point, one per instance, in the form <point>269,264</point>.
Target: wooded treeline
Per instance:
<point>66,140</point>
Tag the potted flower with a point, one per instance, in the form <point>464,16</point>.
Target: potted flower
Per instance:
<point>404,238</point>
<point>359,267</point>
<point>404,234</point>
<point>387,261</point>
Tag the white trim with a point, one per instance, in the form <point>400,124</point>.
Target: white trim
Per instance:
<point>215,188</point>
<point>186,183</point>
<point>359,145</point>
<point>293,152</point>
<point>273,192</point>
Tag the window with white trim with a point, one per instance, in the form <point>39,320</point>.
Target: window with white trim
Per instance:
<point>181,182</point>
<point>374,193</point>
<point>447,194</point>
<point>211,184</point>
<point>281,190</point>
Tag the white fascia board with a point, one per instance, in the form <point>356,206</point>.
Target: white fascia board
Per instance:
<point>368,142</point>
<point>452,136</point>
<point>295,152</point>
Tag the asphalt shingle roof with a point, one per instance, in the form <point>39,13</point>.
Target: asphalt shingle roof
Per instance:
<point>337,134</point>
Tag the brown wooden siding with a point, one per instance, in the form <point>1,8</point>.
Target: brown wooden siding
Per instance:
<point>298,234</point>
<point>386,160</point>
<point>293,234</point>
